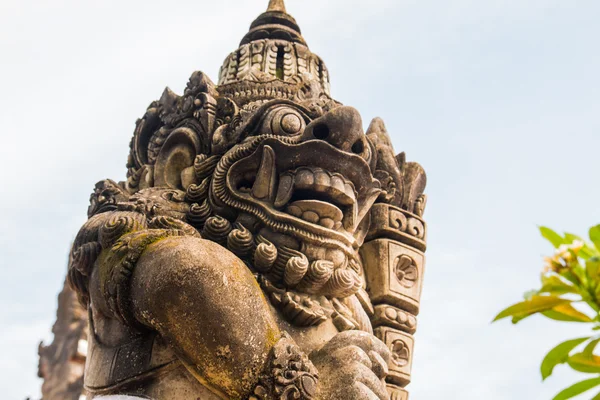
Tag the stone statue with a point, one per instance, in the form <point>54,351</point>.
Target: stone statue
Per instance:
<point>262,247</point>
<point>62,362</point>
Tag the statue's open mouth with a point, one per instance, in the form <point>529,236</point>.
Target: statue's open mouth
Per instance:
<point>313,187</point>
<point>318,196</point>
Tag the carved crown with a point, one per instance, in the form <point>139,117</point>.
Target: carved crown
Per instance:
<point>272,52</point>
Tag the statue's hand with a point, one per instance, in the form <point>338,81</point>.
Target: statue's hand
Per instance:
<point>352,366</point>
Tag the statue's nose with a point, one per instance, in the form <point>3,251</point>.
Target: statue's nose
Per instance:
<point>340,127</point>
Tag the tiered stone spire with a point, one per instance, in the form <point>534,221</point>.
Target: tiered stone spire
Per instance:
<point>272,54</point>
<point>277,5</point>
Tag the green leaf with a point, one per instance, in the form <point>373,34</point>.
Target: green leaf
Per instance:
<point>551,236</point>
<point>592,268</point>
<point>596,397</point>
<point>529,307</point>
<point>559,355</point>
<point>595,236</point>
<point>554,284</point>
<point>570,276</point>
<point>567,313</point>
<point>517,318</point>
<point>583,363</point>
<point>589,348</point>
<point>577,389</point>
<point>570,238</point>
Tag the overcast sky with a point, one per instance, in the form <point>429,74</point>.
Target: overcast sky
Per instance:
<point>499,100</point>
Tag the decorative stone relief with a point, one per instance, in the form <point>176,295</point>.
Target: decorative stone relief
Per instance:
<point>394,272</point>
<point>406,271</point>
<point>401,345</point>
<point>397,393</point>
<point>232,263</point>
<point>394,317</point>
<point>397,224</point>
<point>292,375</point>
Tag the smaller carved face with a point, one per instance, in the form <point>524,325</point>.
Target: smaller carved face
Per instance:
<point>154,202</point>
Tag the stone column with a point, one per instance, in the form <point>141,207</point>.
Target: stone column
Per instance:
<point>394,261</point>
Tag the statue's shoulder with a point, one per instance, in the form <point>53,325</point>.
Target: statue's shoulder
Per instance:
<point>120,226</point>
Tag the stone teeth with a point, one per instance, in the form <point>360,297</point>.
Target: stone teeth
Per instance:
<point>285,190</point>
<point>311,216</point>
<point>264,186</point>
<point>351,220</point>
<point>318,180</point>
<point>337,183</point>
<point>316,212</point>
<point>327,223</point>
<point>322,180</point>
<point>349,190</point>
<point>294,210</point>
<point>304,178</point>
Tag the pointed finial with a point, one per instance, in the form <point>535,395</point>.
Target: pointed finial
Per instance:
<point>277,5</point>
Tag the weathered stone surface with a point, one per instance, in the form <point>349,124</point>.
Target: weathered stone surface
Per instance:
<point>401,346</point>
<point>394,273</point>
<point>387,315</point>
<point>395,223</point>
<point>62,362</point>
<point>397,393</point>
<point>231,263</point>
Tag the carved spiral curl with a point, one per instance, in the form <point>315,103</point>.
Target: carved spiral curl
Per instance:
<point>198,193</point>
<point>118,225</point>
<point>199,213</point>
<point>217,229</point>
<point>295,269</point>
<point>205,165</point>
<point>343,283</point>
<point>265,255</point>
<point>356,266</point>
<point>84,257</point>
<point>81,264</point>
<point>416,228</point>
<point>240,241</point>
<point>317,276</point>
<point>283,256</point>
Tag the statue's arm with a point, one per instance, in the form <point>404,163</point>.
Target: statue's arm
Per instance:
<point>205,302</point>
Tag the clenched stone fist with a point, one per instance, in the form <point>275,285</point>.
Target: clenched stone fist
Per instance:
<point>352,366</point>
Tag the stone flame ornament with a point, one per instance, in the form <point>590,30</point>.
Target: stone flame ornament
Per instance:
<point>263,245</point>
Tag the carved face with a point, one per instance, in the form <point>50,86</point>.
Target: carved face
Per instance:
<point>286,185</point>
<point>301,183</point>
<point>154,202</point>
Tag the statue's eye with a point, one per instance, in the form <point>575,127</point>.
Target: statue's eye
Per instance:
<point>284,121</point>
<point>170,196</point>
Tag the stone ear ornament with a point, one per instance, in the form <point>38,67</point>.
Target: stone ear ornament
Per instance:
<point>403,182</point>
